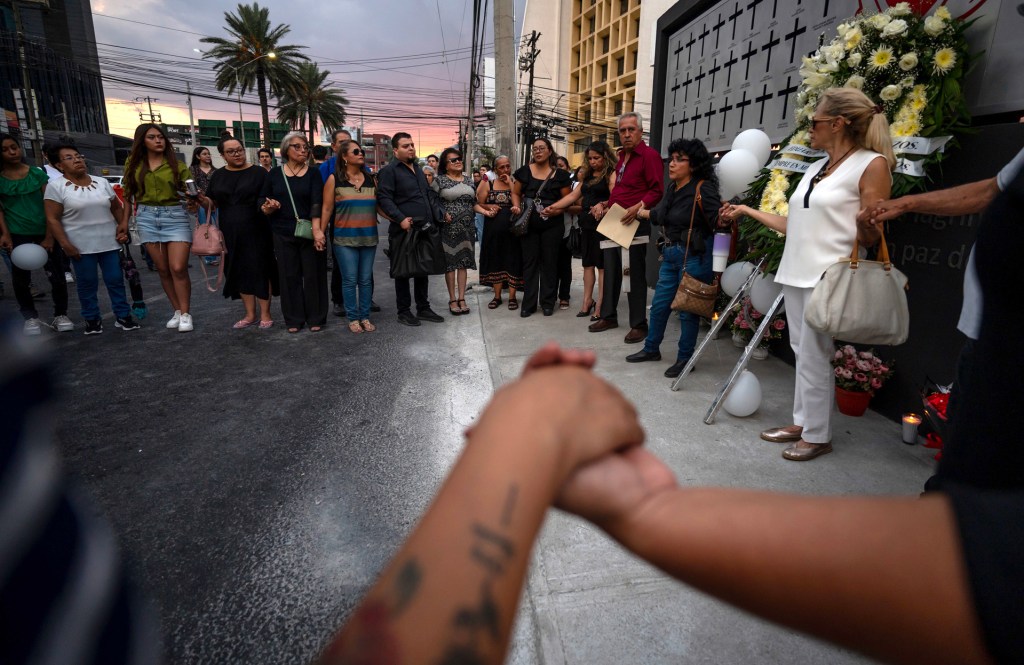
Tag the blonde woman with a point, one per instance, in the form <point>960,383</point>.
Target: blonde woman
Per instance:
<point>820,229</point>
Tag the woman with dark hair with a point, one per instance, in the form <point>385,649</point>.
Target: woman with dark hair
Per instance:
<point>201,169</point>
<point>350,203</point>
<point>23,221</point>
<point>687,212</point>
<point>597,182</point>
<point>153,177</point>
<point>457,200</point>
<point>543,238</point>
<point>564,271</point>
<point>500,258</point>
<point>291,192</point>
<point>250,269</point>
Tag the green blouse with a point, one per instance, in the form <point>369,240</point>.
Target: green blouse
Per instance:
<point>22,203</point>
<point>160,189</point>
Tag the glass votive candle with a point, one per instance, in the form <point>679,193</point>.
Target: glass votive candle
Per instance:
<point>720,251</point>
<point>911,421</point>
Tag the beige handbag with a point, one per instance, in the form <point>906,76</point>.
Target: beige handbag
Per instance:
<point>693,295</point>
<point>864,302</point>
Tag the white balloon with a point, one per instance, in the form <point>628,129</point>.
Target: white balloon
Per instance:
<point>734,276</point>
<point>745,396</point>
<point>736,169</point>
<point>756,142</point>
<point>29,256</point>
<point>763,293</point>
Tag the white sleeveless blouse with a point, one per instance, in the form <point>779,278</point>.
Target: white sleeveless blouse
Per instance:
<point>822,227</point>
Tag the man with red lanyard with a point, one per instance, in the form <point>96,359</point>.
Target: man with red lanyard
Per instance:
<point>638,184</point>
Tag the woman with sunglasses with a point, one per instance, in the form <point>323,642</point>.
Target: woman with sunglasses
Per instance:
<point>543,238</point>
<point>350,202</point>
<point>153,179</point>
<point>457,200</point>
<point>292,192</point>
<point>250,270</point>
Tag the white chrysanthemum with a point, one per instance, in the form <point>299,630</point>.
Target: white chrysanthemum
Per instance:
<point>907,82</point>
<point>934,26</point>
<point>881,57</point>
<point>894,28</point>
<point>901,9</point>
<point>854,59</point>
<point>944,60</point>
<point>842,29</point>
<point>879,21</point>
<point>818,80</point>
<point>943,13</point>
<point>908,61</point>
<point>833,53</point>
<point>890,93</point>
<point>853,39</point>
<point>855,81</point>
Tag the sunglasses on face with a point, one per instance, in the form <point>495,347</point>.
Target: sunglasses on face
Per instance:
<point>453,160</point>
<point>356,151</point>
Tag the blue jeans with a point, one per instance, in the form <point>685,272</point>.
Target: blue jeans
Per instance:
<point>669,275</point>
<point>356,265</point>
<point>109,263</point>
<point>478,219</point>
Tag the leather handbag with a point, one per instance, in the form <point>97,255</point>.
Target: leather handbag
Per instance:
<point>864,302</point>
<point>521,224</point>
<point>693,295</point>
<point>207,240</point>
<point>574,241</point>
<point>303,227</point>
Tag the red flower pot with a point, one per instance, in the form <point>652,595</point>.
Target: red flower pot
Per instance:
<point>852,403</point>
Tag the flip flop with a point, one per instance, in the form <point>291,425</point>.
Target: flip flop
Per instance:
<point>243,324</point>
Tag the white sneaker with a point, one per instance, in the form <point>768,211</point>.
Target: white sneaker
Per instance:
<point>69,278</point>
<point>62,324</point>
<point>185,325</point>
<point>33,327</point>
<point>175,320</point>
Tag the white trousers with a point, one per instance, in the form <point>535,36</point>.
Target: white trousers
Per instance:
<point>814,394</point>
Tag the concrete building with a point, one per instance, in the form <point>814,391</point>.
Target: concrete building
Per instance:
<point>63,70</point>
<point>596,61</point>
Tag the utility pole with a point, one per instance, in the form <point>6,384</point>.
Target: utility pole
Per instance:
<point>526,64</point>
<point>153,117</point>
<point>29,93</point>
<point>504,78</point>
<point>191,122</point>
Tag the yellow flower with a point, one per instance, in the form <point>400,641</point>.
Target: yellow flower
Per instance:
<point>918,104</point>
<point>853,38</point>
<point>882,57</point>
<point>943,13</point>
<point>944,60</point>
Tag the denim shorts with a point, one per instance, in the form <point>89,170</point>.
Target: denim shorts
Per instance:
<point>163,224</point>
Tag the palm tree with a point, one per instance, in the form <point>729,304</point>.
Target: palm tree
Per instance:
<point>309,98</point>
<point>245,60</point>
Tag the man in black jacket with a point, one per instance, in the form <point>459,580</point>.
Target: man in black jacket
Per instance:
<point>405,197</point>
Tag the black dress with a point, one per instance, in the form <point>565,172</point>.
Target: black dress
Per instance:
<point>543,241</point>
<point>501,260</point>
<point>249,266</point>
<point>591,239</point>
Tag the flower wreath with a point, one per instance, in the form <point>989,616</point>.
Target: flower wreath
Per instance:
<point>913,65</point>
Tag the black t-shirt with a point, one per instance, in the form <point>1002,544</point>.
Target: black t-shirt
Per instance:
<point>552,191</point>
<point>991,526</point>
<point>674,209</point>
<point>307,190</point>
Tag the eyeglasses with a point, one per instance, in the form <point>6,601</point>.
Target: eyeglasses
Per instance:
<point>356,151</point>
<point>301,147</point>
<point>235,151</point>
<point>680,160</point>
<point>453,160</point>
<point>815,121</point>
<point>73,158</point>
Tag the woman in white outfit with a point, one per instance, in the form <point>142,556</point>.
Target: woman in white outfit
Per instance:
<point>820,229</point>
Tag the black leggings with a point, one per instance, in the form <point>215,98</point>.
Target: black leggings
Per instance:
<point>54,271</point>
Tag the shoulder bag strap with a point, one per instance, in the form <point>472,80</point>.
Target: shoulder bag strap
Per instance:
<point>697,202</point>
<point>289,190</point>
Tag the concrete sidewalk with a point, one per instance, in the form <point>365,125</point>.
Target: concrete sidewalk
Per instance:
<point>588,601</point>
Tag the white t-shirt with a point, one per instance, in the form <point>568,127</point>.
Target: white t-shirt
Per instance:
<point>87,219</point>
<point>52,173</point>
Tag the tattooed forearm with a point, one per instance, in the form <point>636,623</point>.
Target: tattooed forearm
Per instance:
<point>406,585</point>
<point>510,505</point>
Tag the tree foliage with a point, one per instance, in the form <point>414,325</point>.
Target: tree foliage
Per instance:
<point>310,98</point>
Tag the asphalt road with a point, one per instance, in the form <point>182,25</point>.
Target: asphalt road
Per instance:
<point>258,481</point>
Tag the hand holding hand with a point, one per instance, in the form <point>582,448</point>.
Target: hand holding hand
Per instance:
<point>121,233</point>
<point>598,211</point>
<point>47,243</point>
<point>491,211</point>
<point>270,205</point>
<point>516,210</point>
<point>71,251</point>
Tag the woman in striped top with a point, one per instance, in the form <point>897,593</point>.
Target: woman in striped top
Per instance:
<point>350,199</point>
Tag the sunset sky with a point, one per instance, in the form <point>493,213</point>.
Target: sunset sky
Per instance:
<point>386,56</point>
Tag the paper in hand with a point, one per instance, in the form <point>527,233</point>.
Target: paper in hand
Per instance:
<point>611,226</point>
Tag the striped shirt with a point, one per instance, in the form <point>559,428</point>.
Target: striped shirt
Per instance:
<point>355,212</point>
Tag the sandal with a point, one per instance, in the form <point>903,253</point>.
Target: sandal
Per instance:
<point>244,323</point>
<point>269,323</point>
<point>315,328</point>
<point>455,311</point>
<point>463,308</point>
<point>563,304</point>
<point>494,304</point>
<point>513,304</point>
<point>354,327</point>
<point>293,330</point>
<point>367,326</point>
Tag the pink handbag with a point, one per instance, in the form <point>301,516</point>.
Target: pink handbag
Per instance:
<point>207,240</point>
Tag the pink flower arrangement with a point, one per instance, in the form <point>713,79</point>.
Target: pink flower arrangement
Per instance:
<point>859,371</point>
<point>746,320</point>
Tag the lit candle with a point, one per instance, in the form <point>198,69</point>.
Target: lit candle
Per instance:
<point>720,251</point>
<point>910,424</point>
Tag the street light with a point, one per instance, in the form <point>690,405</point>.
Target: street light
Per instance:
<point>238,86</point>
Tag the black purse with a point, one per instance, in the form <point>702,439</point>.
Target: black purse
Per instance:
<point>575,241</point>
<point>521,224</point>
